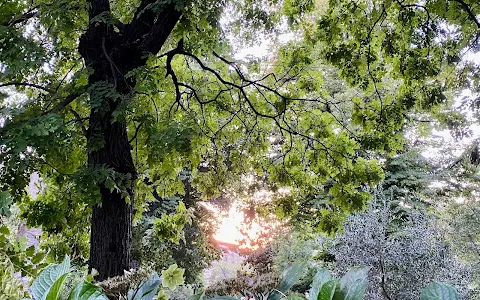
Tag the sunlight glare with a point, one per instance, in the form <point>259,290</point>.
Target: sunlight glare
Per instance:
<point>233,229</point>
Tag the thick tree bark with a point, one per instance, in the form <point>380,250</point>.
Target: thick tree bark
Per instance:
<point>111,227</point>
<point>111,232</point>
<point>111,55</point>
<point>111,224</point>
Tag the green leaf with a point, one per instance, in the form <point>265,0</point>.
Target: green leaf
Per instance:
<point>439,291</point>
<point>54,292</point>
<point>172,277</point>
<point>47,279</point>
<point>110,184</point>
<point>328,290</point>
<point>353,284</point>
<point>147,289</point>
<point>322,276</point>
<point>37,258</point>
<point>30,251</point>
<point>87,291</point>
<point>6,200</point>
<point>290,277</point>
<point>4,230</point>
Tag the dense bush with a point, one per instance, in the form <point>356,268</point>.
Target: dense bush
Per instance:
<point>462,225</point>
<point>403,260</point>
<point>406,247</point>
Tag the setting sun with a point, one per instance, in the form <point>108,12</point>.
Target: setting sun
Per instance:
<point>235,230</point>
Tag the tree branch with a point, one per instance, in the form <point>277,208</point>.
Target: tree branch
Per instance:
<point>15,83</point>
<point>136,132</point>
<point>469,11</point>
<point>245,85</point>
<point>150,29</point>
<point>69,99</point>
<point>240,87</point>
<point>54,168</point>
<point>23,18</point>
<point>84,130</point>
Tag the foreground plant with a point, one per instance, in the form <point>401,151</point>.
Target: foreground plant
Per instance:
<point>289,278</point>
<point>351,286</point>
<point>439,291</point>
<point>50,284</point>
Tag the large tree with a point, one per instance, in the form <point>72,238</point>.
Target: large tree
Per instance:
<point>112,100</point>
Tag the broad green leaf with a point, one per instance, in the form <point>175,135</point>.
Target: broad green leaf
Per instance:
<point>46,280</point>
<point>356,290</point>
<point>439,291</point>
<point>328,290</point>
<point>353,284</point>
<point>354,274</point>
<point>290,277</point>
<point>56,288</point>
<point>322,276</point>
<point>87,291</point>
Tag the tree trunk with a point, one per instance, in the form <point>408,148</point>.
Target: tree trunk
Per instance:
<point>111,232</point>
<point>109,147</point>
<point>111,225</point>
<point>111,53</point>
